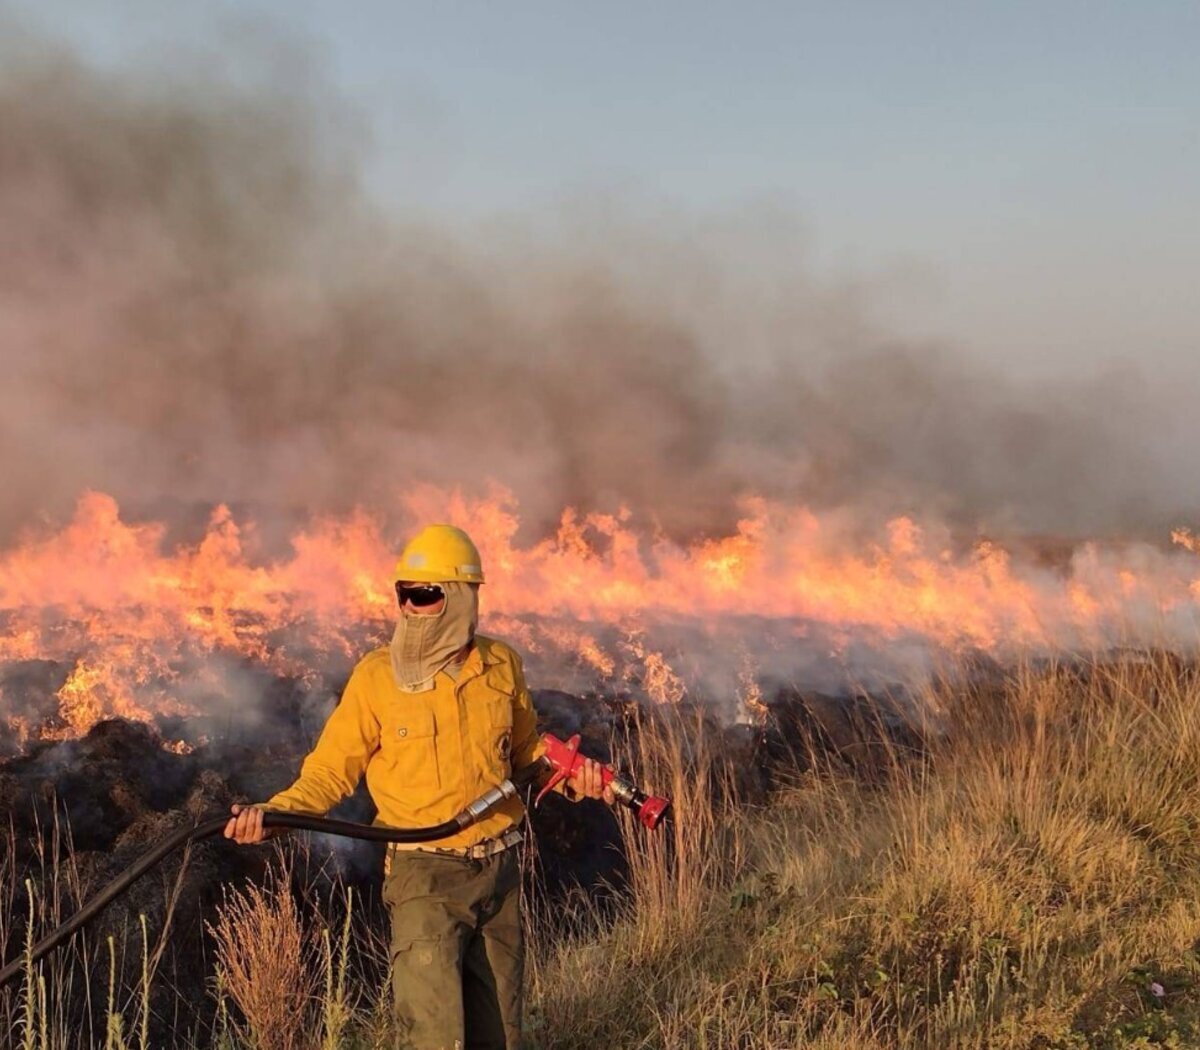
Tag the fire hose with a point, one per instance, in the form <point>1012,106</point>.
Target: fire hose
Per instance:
<point>561,760</point>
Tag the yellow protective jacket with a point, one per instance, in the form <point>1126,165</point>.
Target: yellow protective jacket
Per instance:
<point>425,755</point>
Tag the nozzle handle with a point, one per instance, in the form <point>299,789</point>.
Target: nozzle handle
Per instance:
<point>565,759</point>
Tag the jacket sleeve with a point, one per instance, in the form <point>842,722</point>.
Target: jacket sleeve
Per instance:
<point>333,769</point>
<point>527,743</point>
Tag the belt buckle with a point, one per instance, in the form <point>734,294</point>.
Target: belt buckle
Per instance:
<point>490,847</point>
<point>483,850</point>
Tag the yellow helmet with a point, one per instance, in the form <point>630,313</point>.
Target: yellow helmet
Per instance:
<point>440,554</point>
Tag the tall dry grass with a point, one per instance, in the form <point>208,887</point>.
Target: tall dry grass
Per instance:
<point>283,982</point>
<point>1031,880</point>
<point>606,977</point>
<point>266,962</point>
<point>70,999</point>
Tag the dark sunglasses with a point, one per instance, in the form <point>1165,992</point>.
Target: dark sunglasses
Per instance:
<point>420,596</point>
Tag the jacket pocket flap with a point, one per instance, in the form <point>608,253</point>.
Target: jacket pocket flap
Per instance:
<point>415,724</point>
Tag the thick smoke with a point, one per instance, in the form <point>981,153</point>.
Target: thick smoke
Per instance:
<point>199,303</point>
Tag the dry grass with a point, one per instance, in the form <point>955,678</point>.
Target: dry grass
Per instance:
<point>284,979</point>
<point>62,1002</point>
<point>1030,881</point>
<point>267,963</point>
<point>1027,883</point>
<point>595,981</point>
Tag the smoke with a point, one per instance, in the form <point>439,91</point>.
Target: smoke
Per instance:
<point>200,303</point>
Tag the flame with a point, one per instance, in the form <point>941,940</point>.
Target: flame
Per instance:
<point>751,704</point>
<point>1185,539</point>
<point>79,698</point>
<point>137,625</point>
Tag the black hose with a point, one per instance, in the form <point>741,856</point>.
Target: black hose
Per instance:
<point>293,821</point>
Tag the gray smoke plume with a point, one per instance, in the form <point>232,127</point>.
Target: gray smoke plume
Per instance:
<point>199,303</point>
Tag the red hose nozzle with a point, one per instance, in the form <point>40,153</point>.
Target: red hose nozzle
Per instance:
<point>566,760</point>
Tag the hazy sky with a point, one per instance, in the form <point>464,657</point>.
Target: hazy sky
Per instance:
<point>1020,178</point>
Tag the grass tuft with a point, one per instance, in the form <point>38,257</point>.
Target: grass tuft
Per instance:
<point>267,963</point>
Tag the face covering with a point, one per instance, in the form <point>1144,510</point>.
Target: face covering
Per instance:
<point>424,645</point>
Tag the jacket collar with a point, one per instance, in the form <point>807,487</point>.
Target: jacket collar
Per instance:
<point>482,656</point>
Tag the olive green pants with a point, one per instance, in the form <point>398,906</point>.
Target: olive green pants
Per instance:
<point>457,954</point>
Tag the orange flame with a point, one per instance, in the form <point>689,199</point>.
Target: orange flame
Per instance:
<point>597,600</point>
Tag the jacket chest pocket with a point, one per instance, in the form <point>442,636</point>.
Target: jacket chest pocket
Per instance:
<point>410,741</point>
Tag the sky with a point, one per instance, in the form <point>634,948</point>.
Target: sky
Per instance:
<point>1021,180</point>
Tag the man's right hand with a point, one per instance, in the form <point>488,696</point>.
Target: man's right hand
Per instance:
<point>245,827</point>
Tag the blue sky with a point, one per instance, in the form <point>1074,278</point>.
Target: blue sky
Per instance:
<point>1021,178</point>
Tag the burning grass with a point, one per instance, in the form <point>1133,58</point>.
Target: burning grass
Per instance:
<point>107,616</point>
<point>1030,878</point>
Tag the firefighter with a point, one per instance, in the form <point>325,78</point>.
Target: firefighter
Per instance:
<point>433,721</point>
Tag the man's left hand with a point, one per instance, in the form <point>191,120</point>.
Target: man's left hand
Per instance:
<point>588,782</point>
